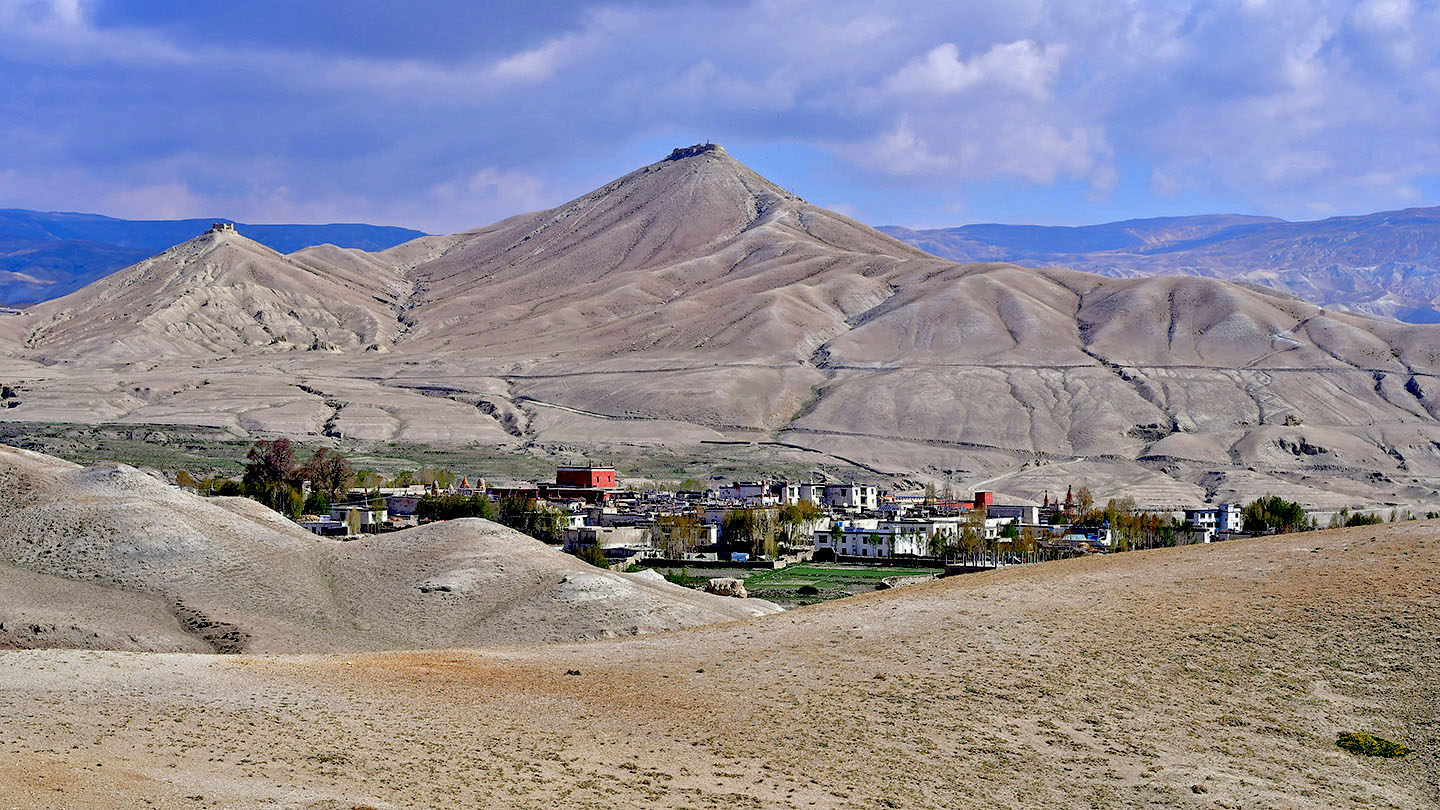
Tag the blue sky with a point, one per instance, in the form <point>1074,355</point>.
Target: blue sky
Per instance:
<point>444,116</point>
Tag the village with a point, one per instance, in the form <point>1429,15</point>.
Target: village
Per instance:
<point>739,528</point>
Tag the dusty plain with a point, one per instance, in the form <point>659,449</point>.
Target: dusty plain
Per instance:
<point>1198,677</point>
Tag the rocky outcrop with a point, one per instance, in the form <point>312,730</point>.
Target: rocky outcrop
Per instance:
<point>727,586</point>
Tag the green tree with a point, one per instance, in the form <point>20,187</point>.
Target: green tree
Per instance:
<point>972,531</point>
<point>224,487</point>
<point>752,528</point>
<point>404,479</point>
<point>270,476</point>
<point>328,473</point>
<point>530,516</point>
<point>450,507</point>
<point>1273,513</point>
<point>317,504</point>
<point>593,555</point>
<point>1363,519</point>
<point>794,518</point>
<point>940,543</point>
<point>677,535</point>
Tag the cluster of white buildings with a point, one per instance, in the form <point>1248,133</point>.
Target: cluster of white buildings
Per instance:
<point>847,497</point>
<point>859,520</point>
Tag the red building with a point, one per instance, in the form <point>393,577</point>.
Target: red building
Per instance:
<point>590,484</point>
<point>587,476</point>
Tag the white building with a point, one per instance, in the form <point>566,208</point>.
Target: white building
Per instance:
<point>1225,517</point>
<point>1229,517</point>
<point>1203,519</point>
<point>793,493</point>
<point>854,497</point>
<point>876,542</point>
<point>606,537</point>
<point>750,493</point>
<point>1020,514</point>
<point>358,519</point>
<point>1101,539</point>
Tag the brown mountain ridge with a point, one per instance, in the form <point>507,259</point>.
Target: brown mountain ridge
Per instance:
<point>694,301</point>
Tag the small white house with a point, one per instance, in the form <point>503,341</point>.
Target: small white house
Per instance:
<point>876,542</point>
<point>750,493</point>
<point>854,497</point>
<point>793,493</point>
<point>1225,517</point>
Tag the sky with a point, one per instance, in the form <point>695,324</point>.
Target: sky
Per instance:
<point>444,116</point>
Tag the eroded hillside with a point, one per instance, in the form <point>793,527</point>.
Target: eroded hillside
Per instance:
<point>692,301</point>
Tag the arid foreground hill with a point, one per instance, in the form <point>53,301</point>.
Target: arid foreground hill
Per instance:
<point>110,558</point>
<point>1199,677</point>
<point>694,301</point>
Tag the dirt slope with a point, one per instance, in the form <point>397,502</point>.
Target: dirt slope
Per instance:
<point>1198,677</point>
<point>110,558</point>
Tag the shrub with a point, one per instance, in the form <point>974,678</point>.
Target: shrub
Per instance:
<point>593,555</point>
<point>1362,519</point>
<point>228,488</point>
<point>317,504</point>
<point>808,590</point>
<point>449,507</point>
<point>1370,746</point>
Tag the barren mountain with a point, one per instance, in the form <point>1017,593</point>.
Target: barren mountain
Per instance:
<point>223,293</point>
<point>693,302</point>
<point>110,558</point>
<point>1386,263</point>
<point>47,254</point>
<point>1197,677</point>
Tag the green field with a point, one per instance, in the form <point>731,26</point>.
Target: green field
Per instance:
<point>831,581</point>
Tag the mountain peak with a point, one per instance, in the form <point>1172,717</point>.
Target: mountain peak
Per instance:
<point>682,152</point>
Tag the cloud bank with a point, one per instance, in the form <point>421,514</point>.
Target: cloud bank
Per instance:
<point>421,115</point>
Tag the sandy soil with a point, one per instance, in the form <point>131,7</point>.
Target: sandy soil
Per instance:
<point>1199,677</point>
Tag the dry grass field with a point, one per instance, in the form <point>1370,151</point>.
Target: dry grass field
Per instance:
<point>1198,677</point>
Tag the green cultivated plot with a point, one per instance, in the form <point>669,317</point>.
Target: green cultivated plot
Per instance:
<point>827,582</point>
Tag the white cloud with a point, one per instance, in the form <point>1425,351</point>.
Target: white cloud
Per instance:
<point>1022,65</point>
<point>1384,14</point>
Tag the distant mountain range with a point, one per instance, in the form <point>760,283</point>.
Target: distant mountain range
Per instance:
<point>1384,264</point>
<point>45,255</point>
